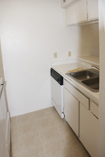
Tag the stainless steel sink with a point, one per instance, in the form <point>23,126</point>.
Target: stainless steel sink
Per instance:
<point>83,75</point>
<point>92,84</point>
<point>88,78</point>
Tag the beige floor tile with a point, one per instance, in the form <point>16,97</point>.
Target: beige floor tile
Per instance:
<point>14,132</point>
<point>33,152</point>
<point>30,131</point>
<point>80,153</point>
<point>45,113</point>
<point>57,119</point>
<point>49,134</point>
<point>28,141</point>
<point>72,142</point>
<point>13,122</point>
<point>56,148</point>
<point>51,111</point>
<point>15,155</point>
<point>27,128</point>
<point>65,130</point>
<point>25,118</point>
<point>14,148</point>
<point>44,123</point>
<point>67,155</point>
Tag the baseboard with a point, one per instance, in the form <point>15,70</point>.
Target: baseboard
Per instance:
<point>22,113</point>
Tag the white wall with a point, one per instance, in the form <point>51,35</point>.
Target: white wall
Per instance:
<point>31,31</point>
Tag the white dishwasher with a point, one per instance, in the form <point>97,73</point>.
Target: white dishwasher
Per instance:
<point>57,92</point>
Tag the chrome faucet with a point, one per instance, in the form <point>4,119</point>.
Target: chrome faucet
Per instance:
<point>97,67</point>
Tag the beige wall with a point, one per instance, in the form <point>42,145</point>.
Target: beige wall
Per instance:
<point>1,65</point>
<point>89,39</point>
<point>31,31</point>
<point>101,142</point>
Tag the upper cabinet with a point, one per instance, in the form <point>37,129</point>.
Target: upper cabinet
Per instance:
<point>69,12</point>
<point>80,11</point>
<point>92,9</point>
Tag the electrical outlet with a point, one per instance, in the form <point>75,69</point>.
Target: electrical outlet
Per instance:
<point>55,55</point>
<point>69,53</point>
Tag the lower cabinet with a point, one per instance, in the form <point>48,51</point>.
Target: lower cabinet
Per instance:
<point>88,130</point>
<point>72,111</point>
<point>82,116</point>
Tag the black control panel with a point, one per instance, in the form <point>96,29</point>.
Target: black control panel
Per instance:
<point>56,76</point>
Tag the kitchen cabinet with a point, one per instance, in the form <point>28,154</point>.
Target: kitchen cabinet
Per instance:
<point>82,115</point>
<point>69,12</point>
<point>79,96</point>
<point>72,111</point>
<point>88,130</point>
<point>92,9</point>
<point>72,99</point>
<point>80,11</point>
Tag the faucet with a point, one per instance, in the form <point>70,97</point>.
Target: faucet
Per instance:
<point>97,67</point>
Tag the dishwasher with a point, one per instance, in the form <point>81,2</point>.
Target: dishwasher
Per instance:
<point>57,92</point>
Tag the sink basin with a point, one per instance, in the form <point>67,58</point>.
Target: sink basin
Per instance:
<point>92,83</point>
<point>83,75</point>
<point>88,78</point>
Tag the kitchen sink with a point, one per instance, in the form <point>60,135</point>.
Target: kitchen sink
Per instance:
<point>92,84</point>
<point>88,78</point>
<point>86,74</point>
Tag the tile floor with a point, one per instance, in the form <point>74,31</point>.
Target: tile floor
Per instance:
<point>43,134</point>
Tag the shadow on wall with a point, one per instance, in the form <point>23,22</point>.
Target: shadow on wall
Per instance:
<point>2,75</point>
<point>89,40</point>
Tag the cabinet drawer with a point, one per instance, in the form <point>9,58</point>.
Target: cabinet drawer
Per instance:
<point>94,109</point>
<point>83,99</point>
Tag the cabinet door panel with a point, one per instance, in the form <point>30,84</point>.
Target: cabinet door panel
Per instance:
<point>80,9</point>
<point>92,9</point>
<point>69,11</point>
<point>72,111</point>
<point>88,130</point>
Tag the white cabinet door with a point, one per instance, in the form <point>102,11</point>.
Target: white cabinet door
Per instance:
<point>92,9</point>
<point>80,10</point>
<point>88,130</point>
<point>69,12</point>
<point>72,111</point>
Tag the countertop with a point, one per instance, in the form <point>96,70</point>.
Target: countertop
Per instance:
<point>64,68</point>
